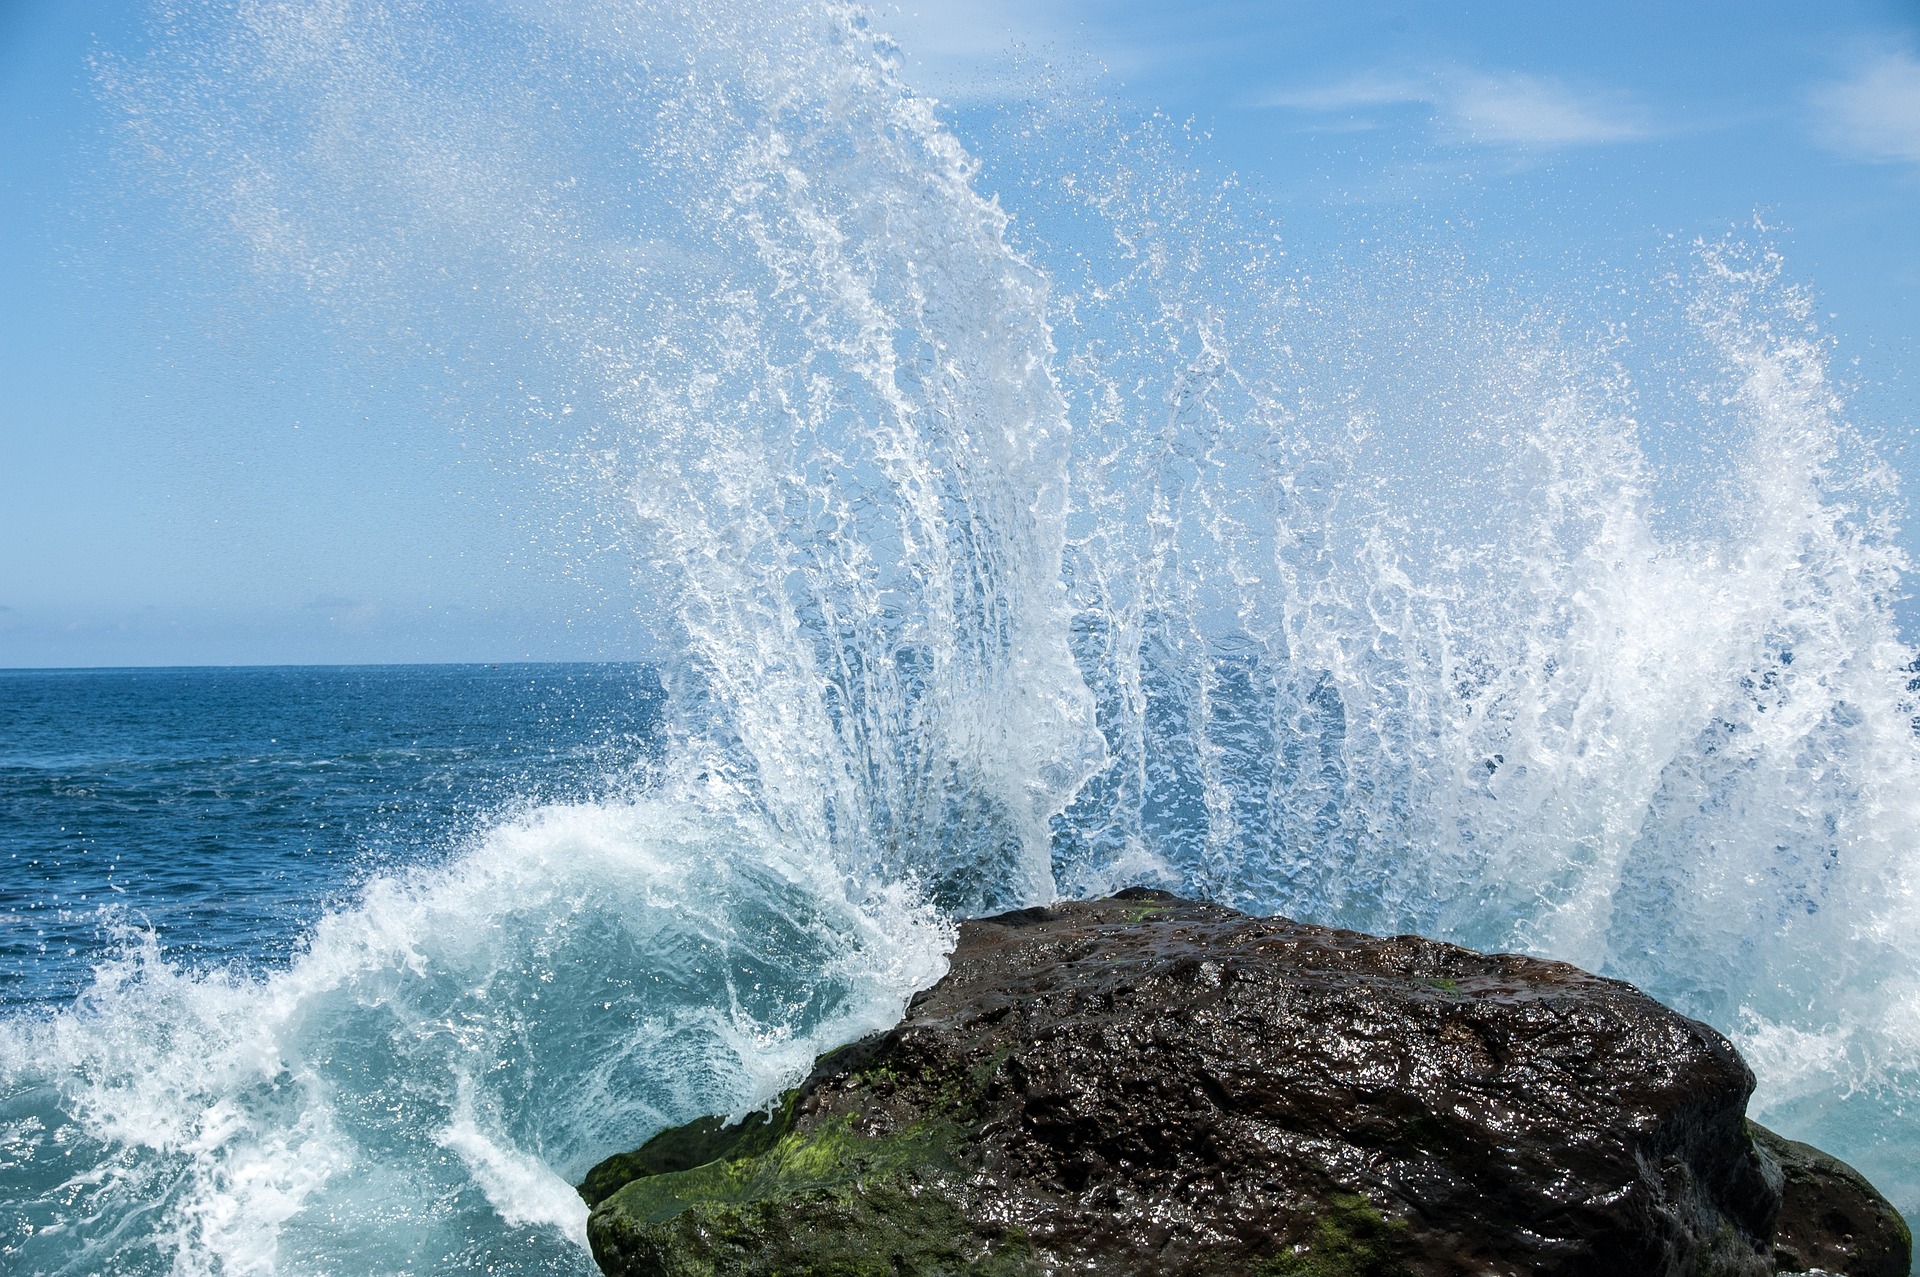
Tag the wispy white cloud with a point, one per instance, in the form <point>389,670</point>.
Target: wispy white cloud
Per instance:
<point>1523,110</point>
<point>975,31</point>
<point>1874,114</point>
<point>1504,110</point>
<point>1362,92</point>
<point>964,50</point>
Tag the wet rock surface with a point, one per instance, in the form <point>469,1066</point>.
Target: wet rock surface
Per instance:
<point>1146,1085</point>
<point>1831,1219</point>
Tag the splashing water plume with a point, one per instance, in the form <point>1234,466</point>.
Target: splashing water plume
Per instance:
<point>1005,552</point>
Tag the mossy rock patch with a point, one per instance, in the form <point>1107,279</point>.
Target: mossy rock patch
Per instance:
<point>1351,1239</point>
<point>828,1201</point>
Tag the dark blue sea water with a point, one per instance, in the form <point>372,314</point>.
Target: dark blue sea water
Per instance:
<point>224,809</point>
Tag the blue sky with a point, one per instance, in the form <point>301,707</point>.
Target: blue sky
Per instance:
<point>188,477</point>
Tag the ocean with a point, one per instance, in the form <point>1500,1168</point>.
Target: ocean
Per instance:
<point>220,812</point>
<point>1013,519</point>
<point>357,968</point>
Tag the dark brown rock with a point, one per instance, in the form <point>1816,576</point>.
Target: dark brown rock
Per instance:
<point>1831,1218</point>
<point>1145,1085</point>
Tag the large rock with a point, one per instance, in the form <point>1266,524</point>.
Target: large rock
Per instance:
<point>1831,1219</point>
<point>1144,1085</point>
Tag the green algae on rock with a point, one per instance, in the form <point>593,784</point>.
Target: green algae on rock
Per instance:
<point>1148,1086</point>
<point>829,1201</point>
<point>1351,1239</point>
<point>682,1148</point>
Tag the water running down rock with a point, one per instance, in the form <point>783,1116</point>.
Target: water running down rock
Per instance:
<point>1149,1085</point>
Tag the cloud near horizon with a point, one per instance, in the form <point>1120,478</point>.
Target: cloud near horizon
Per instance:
<point>1874,114</point>
<point>1510,109</point>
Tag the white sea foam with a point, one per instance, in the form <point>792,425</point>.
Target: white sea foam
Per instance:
<point>523,1190</point>
<point>426,1081</point>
